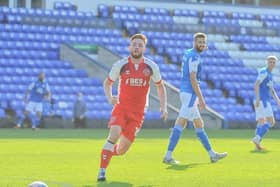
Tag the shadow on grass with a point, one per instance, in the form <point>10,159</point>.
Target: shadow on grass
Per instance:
<point>260,151</point>
<point>113,183</point>
<point>180,167</point>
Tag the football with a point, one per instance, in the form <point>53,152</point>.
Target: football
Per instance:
<point>38,184</point>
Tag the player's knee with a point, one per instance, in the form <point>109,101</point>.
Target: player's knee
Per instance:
<point>261,121</point>
<point>272,122</point>
<point>122,149</point>
<point>181,121</point>
<point>198,123</point>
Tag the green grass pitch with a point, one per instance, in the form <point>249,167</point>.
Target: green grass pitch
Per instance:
<point>70,158</point>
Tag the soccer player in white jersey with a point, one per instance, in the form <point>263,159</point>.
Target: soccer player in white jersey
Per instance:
<point>263,89</point>
<point>34,97</point>
<point>191,97</point>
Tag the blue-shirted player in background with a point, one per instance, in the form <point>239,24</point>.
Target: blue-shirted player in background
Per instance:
<point>36,93</point>
<point>191,97</point>
<point>263,89</point>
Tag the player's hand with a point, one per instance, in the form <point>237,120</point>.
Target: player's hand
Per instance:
<point>114,100</point>
<point>202,104</point>
<point>164,114</point>
<point>257,104</point>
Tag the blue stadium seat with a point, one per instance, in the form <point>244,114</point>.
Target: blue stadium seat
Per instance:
<point>2,113</point>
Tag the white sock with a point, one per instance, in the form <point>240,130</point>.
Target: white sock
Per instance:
<point>168,154</point>
<point>108,146</point>
<point>212,153</point>
<point>258,137</point>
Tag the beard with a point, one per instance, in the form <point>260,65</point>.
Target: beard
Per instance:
<point>199,49</point>
<point>136,55</point>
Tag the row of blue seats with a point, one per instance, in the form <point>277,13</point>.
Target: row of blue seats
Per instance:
<point>261,47</point>
<point>217,21</point>
<point>46,13</point>
<point>273,24</point>
<point>64,6</point>
<point>28,54</point>
<point>27,45</point>
<point>45,29</point>
<point>61,81</point>
<point>168,35</point>
<point>228,70</point>
<point>222,62</point>
<point>270,17</point>
<point>142,17</point>
<point>248,39</point>
<point>178,12</point>
<point>34,63</point>
<point>171,43</point>
<point>161,43</point>
<point>52,72</point>
<point>55,38</point>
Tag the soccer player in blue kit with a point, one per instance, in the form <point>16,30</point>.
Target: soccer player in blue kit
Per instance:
<point>36,93</point>
<point>191,97</point>
<point>263,89</point>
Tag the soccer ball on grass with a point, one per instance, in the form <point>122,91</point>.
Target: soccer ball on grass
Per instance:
<point>38,184</point>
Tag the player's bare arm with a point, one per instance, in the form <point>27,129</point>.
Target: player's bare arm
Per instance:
<point>163,99</point>
<point>197,90</point>
<point>107,85</point>
<point>257,93</point>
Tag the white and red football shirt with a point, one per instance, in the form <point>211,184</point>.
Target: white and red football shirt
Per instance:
<point>134,82</point>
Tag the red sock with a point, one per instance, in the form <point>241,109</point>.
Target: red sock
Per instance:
<point>106,156</point>
<point>115,149</point>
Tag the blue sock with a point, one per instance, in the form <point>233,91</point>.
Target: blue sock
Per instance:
<point>201,134</point>
<point>258,129</point>
<point>21,120</point>
<point>33,119</point>
<point>264,129</point>
<point>37,120</point>
<point>174,136</point>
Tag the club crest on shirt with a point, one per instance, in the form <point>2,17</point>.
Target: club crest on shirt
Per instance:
<point>127,72</point>
<point>147,72</point>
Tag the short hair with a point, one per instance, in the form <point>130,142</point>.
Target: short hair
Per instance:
<point>199,35</point>
<point>272,57</point>
<point>139,36</point>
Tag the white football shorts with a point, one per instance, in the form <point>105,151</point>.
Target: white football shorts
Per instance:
<point>34,107</point>
<point>189,106</point>
<point>263,112</point>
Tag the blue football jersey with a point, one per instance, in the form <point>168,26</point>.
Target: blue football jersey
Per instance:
<point>38,90</point>
<point>266,83</point>
<point>190,63</point>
